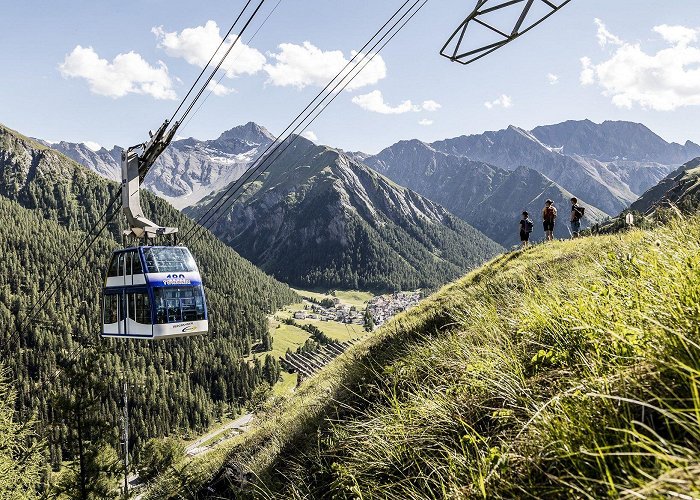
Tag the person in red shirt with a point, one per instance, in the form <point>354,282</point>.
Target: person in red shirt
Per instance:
<point>549,216</point>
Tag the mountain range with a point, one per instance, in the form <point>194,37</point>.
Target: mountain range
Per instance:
<point>189,169</point>
<point>488,197</point>
<point>486,180</point>
<point>318,218</point>
<point>609,176</point>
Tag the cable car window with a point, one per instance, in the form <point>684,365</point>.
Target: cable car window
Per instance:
<point>114,266</point>
<point>169,260</point>
<point>136,267</point>
<point>176,304</point>
<point>127,263</point>
<point>139,308</point>
<point>121,264</point>
<point>110,308</point>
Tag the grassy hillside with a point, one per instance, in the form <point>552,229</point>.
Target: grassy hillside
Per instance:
<point>567,370</point>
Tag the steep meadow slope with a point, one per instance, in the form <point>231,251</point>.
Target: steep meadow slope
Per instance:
<point>568,370</point>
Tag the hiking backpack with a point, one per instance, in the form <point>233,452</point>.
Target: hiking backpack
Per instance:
<point>549,213</point>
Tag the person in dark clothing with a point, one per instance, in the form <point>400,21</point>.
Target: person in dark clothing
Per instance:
<point>549,216</point>
<point>577,212</point>
<point>526,226</point>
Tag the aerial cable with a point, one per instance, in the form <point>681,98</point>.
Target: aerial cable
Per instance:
<point>223,58</point>
<point>70,265</point>
<point>294,138</point>
<point>67,268</point>
<point>204,69</point>
<point>264,156</point>
<point>184,125</point>
<point>275,144</point>
<point>365,58</point>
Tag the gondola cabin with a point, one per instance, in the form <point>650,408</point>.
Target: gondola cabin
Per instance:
<point>153,292</point>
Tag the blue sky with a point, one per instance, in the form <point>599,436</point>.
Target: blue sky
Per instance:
<point>639,61</point>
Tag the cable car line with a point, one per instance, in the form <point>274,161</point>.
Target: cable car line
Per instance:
<point>294,138</point>
<point>204,69</point>
<point>275,144</point>
<point>157,144</point>
<point>153,291</point>
<point>189,119</point>
<point>223,58</point>
<point>257,167</point>
<point>72,262</point>
<point>362,60</point>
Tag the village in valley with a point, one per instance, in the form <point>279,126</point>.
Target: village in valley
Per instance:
<point>308,335</point>
<point>377,310</point>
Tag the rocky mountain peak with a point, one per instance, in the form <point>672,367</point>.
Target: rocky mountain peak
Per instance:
<point>613,140</point>
<point>251,133</point>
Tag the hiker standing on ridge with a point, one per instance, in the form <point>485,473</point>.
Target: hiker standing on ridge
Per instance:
<point>549,215</point>
<point>577,212</point>
<point>526,226</point>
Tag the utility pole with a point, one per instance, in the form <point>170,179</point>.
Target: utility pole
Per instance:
<point>125,438</point>
<point>81,452</point>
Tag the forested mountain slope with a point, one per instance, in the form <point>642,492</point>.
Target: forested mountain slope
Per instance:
<point>487,197</point>
<point>46,202</point>
<point>565,370</point>
<point>680,188</point>
<point>319,218</point>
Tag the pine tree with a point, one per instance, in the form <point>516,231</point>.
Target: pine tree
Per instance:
<point>20,451</point>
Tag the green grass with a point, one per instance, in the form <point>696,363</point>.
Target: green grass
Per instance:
<point>286,337</point>
<point>355,298</point>
<point>571,369</point>
<point>314,295</point>
<point>286,385</point>
<point>335,330</point>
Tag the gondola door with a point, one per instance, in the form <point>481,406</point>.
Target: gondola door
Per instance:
<point>113,313</point>
<point>137,307</point>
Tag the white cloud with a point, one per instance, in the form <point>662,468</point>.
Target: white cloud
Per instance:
<point>504,101</point>
<point>374,101</point>
<point>126,74</point>
<point>431,105</point>
<point>552,78</point>
<point>305,65</point>
<point>662,81</point>
<point>425,122</point>
<point>604,36</point>
<point>218,89</point>
<point>92,145</point>
<point>587,71</point>
<point>196,46</point>
<point>310,135</point>
<point>677,35</point>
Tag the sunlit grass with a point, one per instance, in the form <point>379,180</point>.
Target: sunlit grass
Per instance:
<point>571,369</point>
